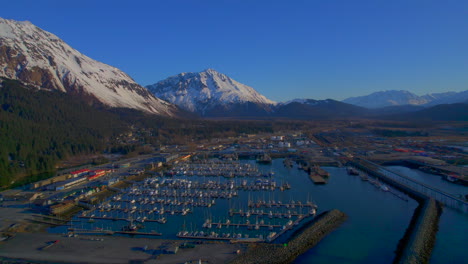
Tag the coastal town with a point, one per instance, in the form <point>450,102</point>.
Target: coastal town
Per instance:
<point>222,193</point>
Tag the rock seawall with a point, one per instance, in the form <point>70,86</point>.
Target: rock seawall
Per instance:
<point>302,241</point>
<point>417,244</point>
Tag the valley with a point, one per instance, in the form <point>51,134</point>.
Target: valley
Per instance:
<point>127,181</point>
<point>200,168</point>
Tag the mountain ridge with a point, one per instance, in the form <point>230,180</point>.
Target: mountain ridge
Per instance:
<point>388,98</point>
<point>208,92</point>
<point>41,59</point>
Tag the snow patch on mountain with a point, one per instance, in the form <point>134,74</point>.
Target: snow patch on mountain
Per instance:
<point>387,98</point>
<point>398,98</point>
<point>39,58</point>
<point>201,91</point>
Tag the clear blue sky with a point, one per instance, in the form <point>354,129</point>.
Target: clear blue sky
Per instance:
<point>284,49</point>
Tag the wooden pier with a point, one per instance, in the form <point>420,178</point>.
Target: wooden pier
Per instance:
<point>205,237</point>
<point>47,219</point>
<point>134,233</point>
<point>119,219</point>
<point>275,215</point>
<point>215,225</point>
<point>111,232</point>
<point>279,205</point>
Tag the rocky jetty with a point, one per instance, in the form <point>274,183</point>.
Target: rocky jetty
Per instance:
<point>418,242</point>
<point>302,241</point>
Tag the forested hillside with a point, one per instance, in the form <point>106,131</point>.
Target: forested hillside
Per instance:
<point>38,128</point>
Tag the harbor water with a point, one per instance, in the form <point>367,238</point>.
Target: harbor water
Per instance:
<point>378,215</point>
<point>452,236</point>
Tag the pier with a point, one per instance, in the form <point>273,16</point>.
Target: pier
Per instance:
<point>415,189</point>
<point>419,239</point>
<point>278,204</point>
<point>111,232</point>
<point>244,225</point>
<point>46,219</point>
<point>317,179</point>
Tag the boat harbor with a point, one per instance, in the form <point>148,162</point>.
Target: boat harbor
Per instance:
<point>209,199</point>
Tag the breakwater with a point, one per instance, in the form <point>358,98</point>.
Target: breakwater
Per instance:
<point>417,244</point>
<point>300,242</point>
<point>374,170</point>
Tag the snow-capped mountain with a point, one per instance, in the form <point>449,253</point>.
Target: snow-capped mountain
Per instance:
<point>209,92</point>
<point>449,98</point>
<point>41,59</point>
<point>398,98</point>
<point>387,98</point>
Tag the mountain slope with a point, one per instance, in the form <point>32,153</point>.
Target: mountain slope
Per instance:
<point>41,59</point>
<point>318,109</point>
<point>211,93</point>
<point>39,128</point>
<point>452,98</point>
<point>442,112</point>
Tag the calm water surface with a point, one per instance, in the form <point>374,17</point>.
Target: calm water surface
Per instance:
<point>377,219</point>
<point>452,238</point>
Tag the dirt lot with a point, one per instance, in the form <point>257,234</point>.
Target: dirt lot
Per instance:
<point>90,249</point>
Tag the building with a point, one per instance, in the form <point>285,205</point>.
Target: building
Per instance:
<point>165,158</point>
<point>61,207</point>
<point>46,182</point>
<point>124,165</point>
<point>277,138</point>
<point>96,174</point>
<point>111,181</point>
<point>79,173</point>
<point>66,184</point>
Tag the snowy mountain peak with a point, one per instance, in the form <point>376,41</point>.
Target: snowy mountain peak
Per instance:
<point>203,91</point>
<point>402,97</point>
<point>211,71</point>
<point>386,98</point>
<point>41,59</point>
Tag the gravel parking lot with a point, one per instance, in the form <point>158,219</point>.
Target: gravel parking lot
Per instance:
<point>90,249</point>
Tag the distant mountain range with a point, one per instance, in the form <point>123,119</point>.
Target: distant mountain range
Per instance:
<point>401,98</point>
<point>213,94</point>
<point>441,112</point>
<point>40,59</point>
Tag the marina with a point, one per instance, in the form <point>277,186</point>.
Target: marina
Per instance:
<point>202,190</point>
<point>244,216</point>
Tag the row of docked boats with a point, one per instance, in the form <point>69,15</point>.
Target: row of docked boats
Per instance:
<point>217,168</point>
<point>376,183</point>
<point>156,199</point>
